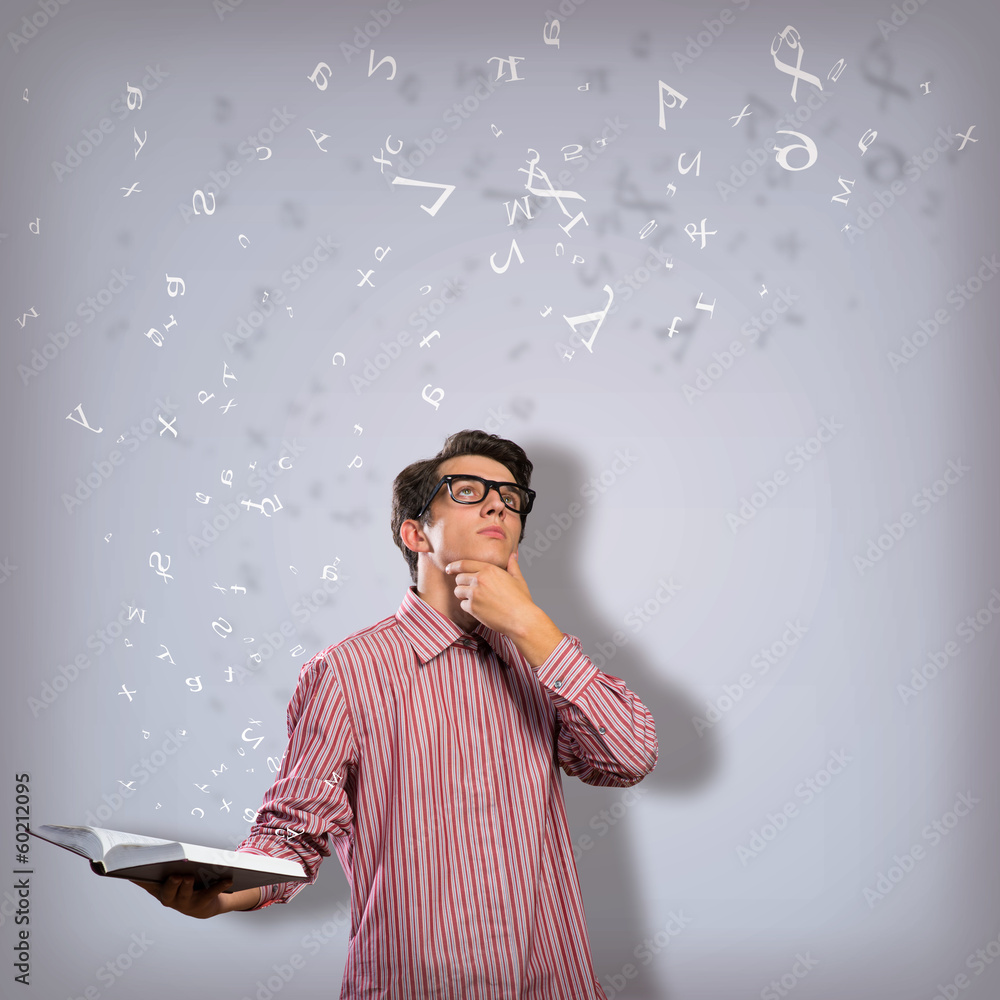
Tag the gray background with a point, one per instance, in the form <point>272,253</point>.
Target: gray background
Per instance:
<point>857,295</point>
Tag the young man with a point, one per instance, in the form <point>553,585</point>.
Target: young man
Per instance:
<point>428,747</point>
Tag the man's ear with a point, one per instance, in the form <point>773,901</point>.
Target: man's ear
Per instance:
<point>412,536</point>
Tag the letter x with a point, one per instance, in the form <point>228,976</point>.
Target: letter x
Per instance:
<point>365,277</point>
<point>966,138</point>
<point>743,114</point>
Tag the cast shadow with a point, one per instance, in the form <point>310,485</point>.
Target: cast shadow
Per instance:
<point>617,891</point>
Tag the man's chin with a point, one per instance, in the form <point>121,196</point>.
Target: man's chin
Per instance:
<point>490,553</point>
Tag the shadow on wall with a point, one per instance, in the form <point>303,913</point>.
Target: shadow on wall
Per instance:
<point>615,888</point>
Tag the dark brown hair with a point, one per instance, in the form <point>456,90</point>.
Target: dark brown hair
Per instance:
<point>414,484</point>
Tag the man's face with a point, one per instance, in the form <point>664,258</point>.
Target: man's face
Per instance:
<point>457,530</point>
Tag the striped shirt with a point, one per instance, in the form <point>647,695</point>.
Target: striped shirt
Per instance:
<point>431,756</point>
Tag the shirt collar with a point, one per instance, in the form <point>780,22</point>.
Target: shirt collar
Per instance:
<point>430,633</point>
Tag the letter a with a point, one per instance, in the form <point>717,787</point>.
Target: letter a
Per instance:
<point>674,98</point>
<point>82,422</point>
<point>590,317</point>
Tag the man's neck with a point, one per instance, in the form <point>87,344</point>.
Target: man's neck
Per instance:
<point>438,590</point>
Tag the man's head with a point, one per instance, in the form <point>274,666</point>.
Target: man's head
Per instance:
<point>448,530</point>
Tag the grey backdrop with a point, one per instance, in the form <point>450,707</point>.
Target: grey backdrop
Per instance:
<point>824,822</point>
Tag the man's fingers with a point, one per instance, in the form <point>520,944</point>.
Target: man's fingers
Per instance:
<point>168,891</point>
<point>185,888</point>
<point>179,893</point>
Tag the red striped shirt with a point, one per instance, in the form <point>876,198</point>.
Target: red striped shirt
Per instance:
<point>431,757</point>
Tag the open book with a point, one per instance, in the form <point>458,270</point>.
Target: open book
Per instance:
<point>130,855</point>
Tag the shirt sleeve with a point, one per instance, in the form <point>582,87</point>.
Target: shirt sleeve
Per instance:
<point>307,800</point>
<point>606,735</point>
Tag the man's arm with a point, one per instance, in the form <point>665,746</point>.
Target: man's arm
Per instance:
<point>606,734</point>
<point>307,800</point>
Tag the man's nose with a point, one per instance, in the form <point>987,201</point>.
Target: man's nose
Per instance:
<point>494,503</point>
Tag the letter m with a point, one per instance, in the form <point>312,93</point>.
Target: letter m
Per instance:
<point>846,193</point>
<point>141,612</point>
<point>512,212</point>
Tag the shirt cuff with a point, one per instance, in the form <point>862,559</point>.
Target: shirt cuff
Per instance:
<point>567,671</point>
<point>274,892</point>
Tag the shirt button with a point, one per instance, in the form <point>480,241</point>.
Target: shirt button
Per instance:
<point>600,729</point>
<point>557,685</point>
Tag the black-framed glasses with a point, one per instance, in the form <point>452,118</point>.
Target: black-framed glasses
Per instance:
<point>475,489</point>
